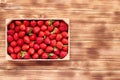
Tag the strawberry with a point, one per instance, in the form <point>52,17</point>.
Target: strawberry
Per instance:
<point>52,36</point>
<point>26,39</point>
<point>26,23</point>
<point>59,45</point>
<point>26,55</point>
<point>65,34</point>
<point>13,55</point>
<point>36,46</point>
<point>10,49</point>
<point>20,42</point>
<point>36,29</point>
<point>18,22</point>
<point>53,56</point>
<point>31,51</point>
<point>28,30</point>
<point>56,30</point>
<point>25,47</point>
<point>47,33</point>
<point>53,43</point>
<point>47,41</point>
<point>33,23</point>
<point>48,22</point>
<point>33,37</point>
<point>17,29</point>
<point>65,41</point>
<point>39,40</point>
<point>31,44</point>
<point>21,34</point>
<point>41,34</point>
<point>35,56</point>
<point>58,37</point>
<point>12,25</point>
<point>63,26</point>
<point>43,27</point>
<point>13,43</point>
<point>40,22</point>
<point>63,54</point>
<point>56,51</point>
<point>19,56</point>
<point>22,27</point>
<point>17,49</point>
<point>44,56</point>
<point>15,36</point>
<point>65,48</point>
<point>10,32</point>
<point>43,46</point>
<point>56,23</point>
<point>9,38</point>
<point>49,49</point>
<point>50,28</point>
<point>40,51</point>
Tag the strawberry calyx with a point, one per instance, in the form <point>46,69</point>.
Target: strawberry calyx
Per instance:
<point>54,30</point>
<point>51,21</point>
<point>30,32</point>
<point>22,54</point>
<point>50,54</point>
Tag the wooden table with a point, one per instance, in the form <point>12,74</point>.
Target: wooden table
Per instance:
<point>95,40</point>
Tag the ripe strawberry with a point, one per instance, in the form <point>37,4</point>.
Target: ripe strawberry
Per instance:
<point>48,22</point>
<point>10,49</point>
<point>26,39</point>
<point>17,29</point>
<point>44,56</point>
<point>53,43</point>
<point>22,27</point>
<point>31,44</point>
<point>36,46</point>
<point>21,34</point>
<point>43,27</point>
<point>39,40</point>
<point>31,51</point>
<point>36,29</point>
<point>17,49</point>
<point>47,33</point>
<point>63,26</point>
<point>13,55</point>
<point>33,23</point>
<point>63,54</point>
<point>41,34</point>
<point>56,23</point>
<point>25,47</point>
<point>26,23</point>
<point>40,51</point>
<point>56,51</point>
<point>10,32</point>
<point>50,28</point>
<point>65,48</point>
<point>12,25</point>
<point>49,49</point>
<point>47,41</point>
<point>65,34</point>
<point>20,42</point>
<point>52,36</point>
<point>35,56</point>
<point>65,41</point>
<point>28,30</point>
<point>26,55</point>
<point>16,37</point>
<point>19,56</point>
<point>40,22</point>
<point>58,37</point>
<point>13,43</point>
<point>9,38</point>
<point>59,45</point>
<point>56,30</point>
<point>33,37</point>
<point>43,46</point>
<point>18,22</point>
<point>53,56</point>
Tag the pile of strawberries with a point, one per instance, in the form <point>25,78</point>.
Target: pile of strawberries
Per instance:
<point>37,39</point>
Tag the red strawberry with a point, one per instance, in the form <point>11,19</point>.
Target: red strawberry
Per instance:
<point>43,27</point>
<point>65,41</point>
<point>50,28</point>
<point>31,44</point>
<point>56,51</point>
<point>9,38</point>
<point>10,49</point>
<point>17,49</point>
<point>43,46</point>
<point>17,29</point>
<point>33,37</point>
<point>47,41</point>
<point>36,46</point>
<point>35,56</point>
<point>19,56</point>
<point>59,45</point>
<point>39,40</point>
<point>26,55</point>
<point>20,42</point>
<point>26,39</point>
<point>49,49</point>
<point>25,47</point>
<point>36,29</point>
<point>26,23</point>
<point>58,37</point>
<point>40,51</point>
<point>22,27</point>
<point>56,23</point>
<point>28,30</point>
<point>33,23</point>
<point>53,43</point>
<point>13,55</point>
<point>12,25</point>
<point>47,33</point>
<point>31,51</point>
<point>13,43</point>
<point>65,34</point>
<point>52,36</point>
<point>63,26</point>
<point>63,54</point>
<point>21,34</point>
<point>10,32</point>
<point>65,48</point>
<point>44,56</point>
<point>56,30</point>
<point>48,22</point>
<point>16,37</point>
<point>41,33</point>
<point>18,22</point>
<point>53,56</point>
<point>40,23</point>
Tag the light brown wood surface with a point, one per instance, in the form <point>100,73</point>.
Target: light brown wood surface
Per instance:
<point>95,40</point>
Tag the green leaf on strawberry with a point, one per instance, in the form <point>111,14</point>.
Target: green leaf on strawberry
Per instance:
<point>50,54</point>
<point>22,54</point>
<point>51,22</point>
<point>30,32</point>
